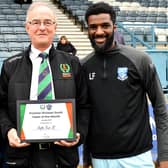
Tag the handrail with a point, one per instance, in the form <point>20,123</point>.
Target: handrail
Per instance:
<point>125,26</point>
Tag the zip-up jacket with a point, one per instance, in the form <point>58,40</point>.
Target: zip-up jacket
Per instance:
<point>118,83</point>
<point>15,82</point>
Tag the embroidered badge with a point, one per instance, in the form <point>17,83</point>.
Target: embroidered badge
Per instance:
<point>122,73</point>
<point>65,69</point>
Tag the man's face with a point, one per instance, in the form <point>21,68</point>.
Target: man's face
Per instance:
<point>100,31</point>
<point>41,27</point>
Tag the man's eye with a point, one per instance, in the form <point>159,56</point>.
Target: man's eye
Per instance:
<point>92,27</point>
<point>47,23</point>
<point>105,26</point>
<point>35,23</point>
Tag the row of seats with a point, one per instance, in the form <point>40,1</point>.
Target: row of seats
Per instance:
<point>11,23</point>
<point>12,17</point>
<point>13,46</point>
<point>13,35</point>
<point>148,19</point>
<point>13,6</point>
<point>14,38</point>
<point>77,9</point>
<point>150,3</point>
<point>8,11</point>
<point>6,1</point>
<point>18,38</point>
<point>12,30</point>
<point>134,13</point>
<point>142,24</point>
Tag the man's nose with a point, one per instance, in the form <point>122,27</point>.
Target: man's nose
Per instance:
<point>99,30</point>
<point>42,25</point>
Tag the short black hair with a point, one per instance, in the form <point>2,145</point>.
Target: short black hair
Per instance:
<point>99,8</point>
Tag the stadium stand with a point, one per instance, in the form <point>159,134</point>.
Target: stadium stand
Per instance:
<point>146,27</point>
<point>143,23</point>
<point>12,18</point>
<point>126,13</point>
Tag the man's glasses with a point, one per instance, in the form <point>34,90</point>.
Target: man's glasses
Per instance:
<point>37,23</point>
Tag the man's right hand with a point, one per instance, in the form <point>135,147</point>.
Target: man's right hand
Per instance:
<point>14,140</point>
<point>85,165</point>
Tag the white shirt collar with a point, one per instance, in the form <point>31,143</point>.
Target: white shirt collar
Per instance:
<point>35,52</point>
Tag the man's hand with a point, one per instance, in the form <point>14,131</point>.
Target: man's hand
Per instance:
<point>14,140</point>
<point>67,143</point>
<point>163,164</point>
<point>87,165</point>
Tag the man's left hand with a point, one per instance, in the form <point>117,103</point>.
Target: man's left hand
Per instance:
<point>68,143</point>
<point>163,164</point>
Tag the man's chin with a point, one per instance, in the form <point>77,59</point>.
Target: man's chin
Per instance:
<point>43,42</point>
<point>99,49</point>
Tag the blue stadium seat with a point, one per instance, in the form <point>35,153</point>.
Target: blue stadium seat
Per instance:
<point>162,20</point>
<point>140,19</point>
<point>4,23</point>
<point>23,38</point>
<point>20,11</point>
<point>15,46</point>
<point>16,23</point>
<point>20,30</point>
<point>10,38</point>
<point>7,30</point>
<point>2,38</point>
<point>2,17</point>
<point>4,54</point>
<point>8,11</point>
<point>21,17</point>
<point>3,46</point>
<point>151,19</point>
<point>11,17</point>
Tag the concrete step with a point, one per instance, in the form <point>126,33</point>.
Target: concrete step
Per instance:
<point>66,26</point>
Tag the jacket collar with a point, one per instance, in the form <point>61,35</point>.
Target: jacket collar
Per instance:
<point>51,52</point>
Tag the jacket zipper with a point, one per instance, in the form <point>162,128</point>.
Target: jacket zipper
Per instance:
<point>104,68</point>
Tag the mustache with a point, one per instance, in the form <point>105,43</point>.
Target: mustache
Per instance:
<point>104,47</point>
<point>100,36</point>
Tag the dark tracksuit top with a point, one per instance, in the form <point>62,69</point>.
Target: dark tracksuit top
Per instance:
<point>15,82</point>
<point>118,82</point>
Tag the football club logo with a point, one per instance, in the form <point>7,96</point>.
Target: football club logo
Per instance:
<point>42,106</point>
<point>65,69</point>
<point>122,73</point>
<point>49,106</point>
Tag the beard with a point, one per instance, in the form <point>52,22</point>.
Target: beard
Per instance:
<point>104,47</point>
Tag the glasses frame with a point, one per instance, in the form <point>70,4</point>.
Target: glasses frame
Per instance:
<point>38,23</point>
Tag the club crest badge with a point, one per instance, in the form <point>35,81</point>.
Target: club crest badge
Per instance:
<point>42,106</point>
<point>65,69</point>
<point>49,106</point>
<point>122,73</point>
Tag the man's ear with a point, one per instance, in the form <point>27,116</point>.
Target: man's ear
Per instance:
<point>115,26</point>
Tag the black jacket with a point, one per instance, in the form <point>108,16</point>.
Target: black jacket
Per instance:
<point>15,81</point>
<point>68,47</point>
<point>118,82</point>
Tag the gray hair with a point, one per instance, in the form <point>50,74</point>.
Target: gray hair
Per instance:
<point>39,4</point>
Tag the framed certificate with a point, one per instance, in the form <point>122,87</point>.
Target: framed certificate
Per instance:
<point>46,120</point>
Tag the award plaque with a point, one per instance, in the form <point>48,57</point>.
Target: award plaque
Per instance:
<point>46,120</point>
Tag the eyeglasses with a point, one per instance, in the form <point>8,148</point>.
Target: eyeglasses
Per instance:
<point>37,23</point>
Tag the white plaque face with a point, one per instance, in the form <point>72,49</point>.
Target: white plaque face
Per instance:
<point>46,121</point>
